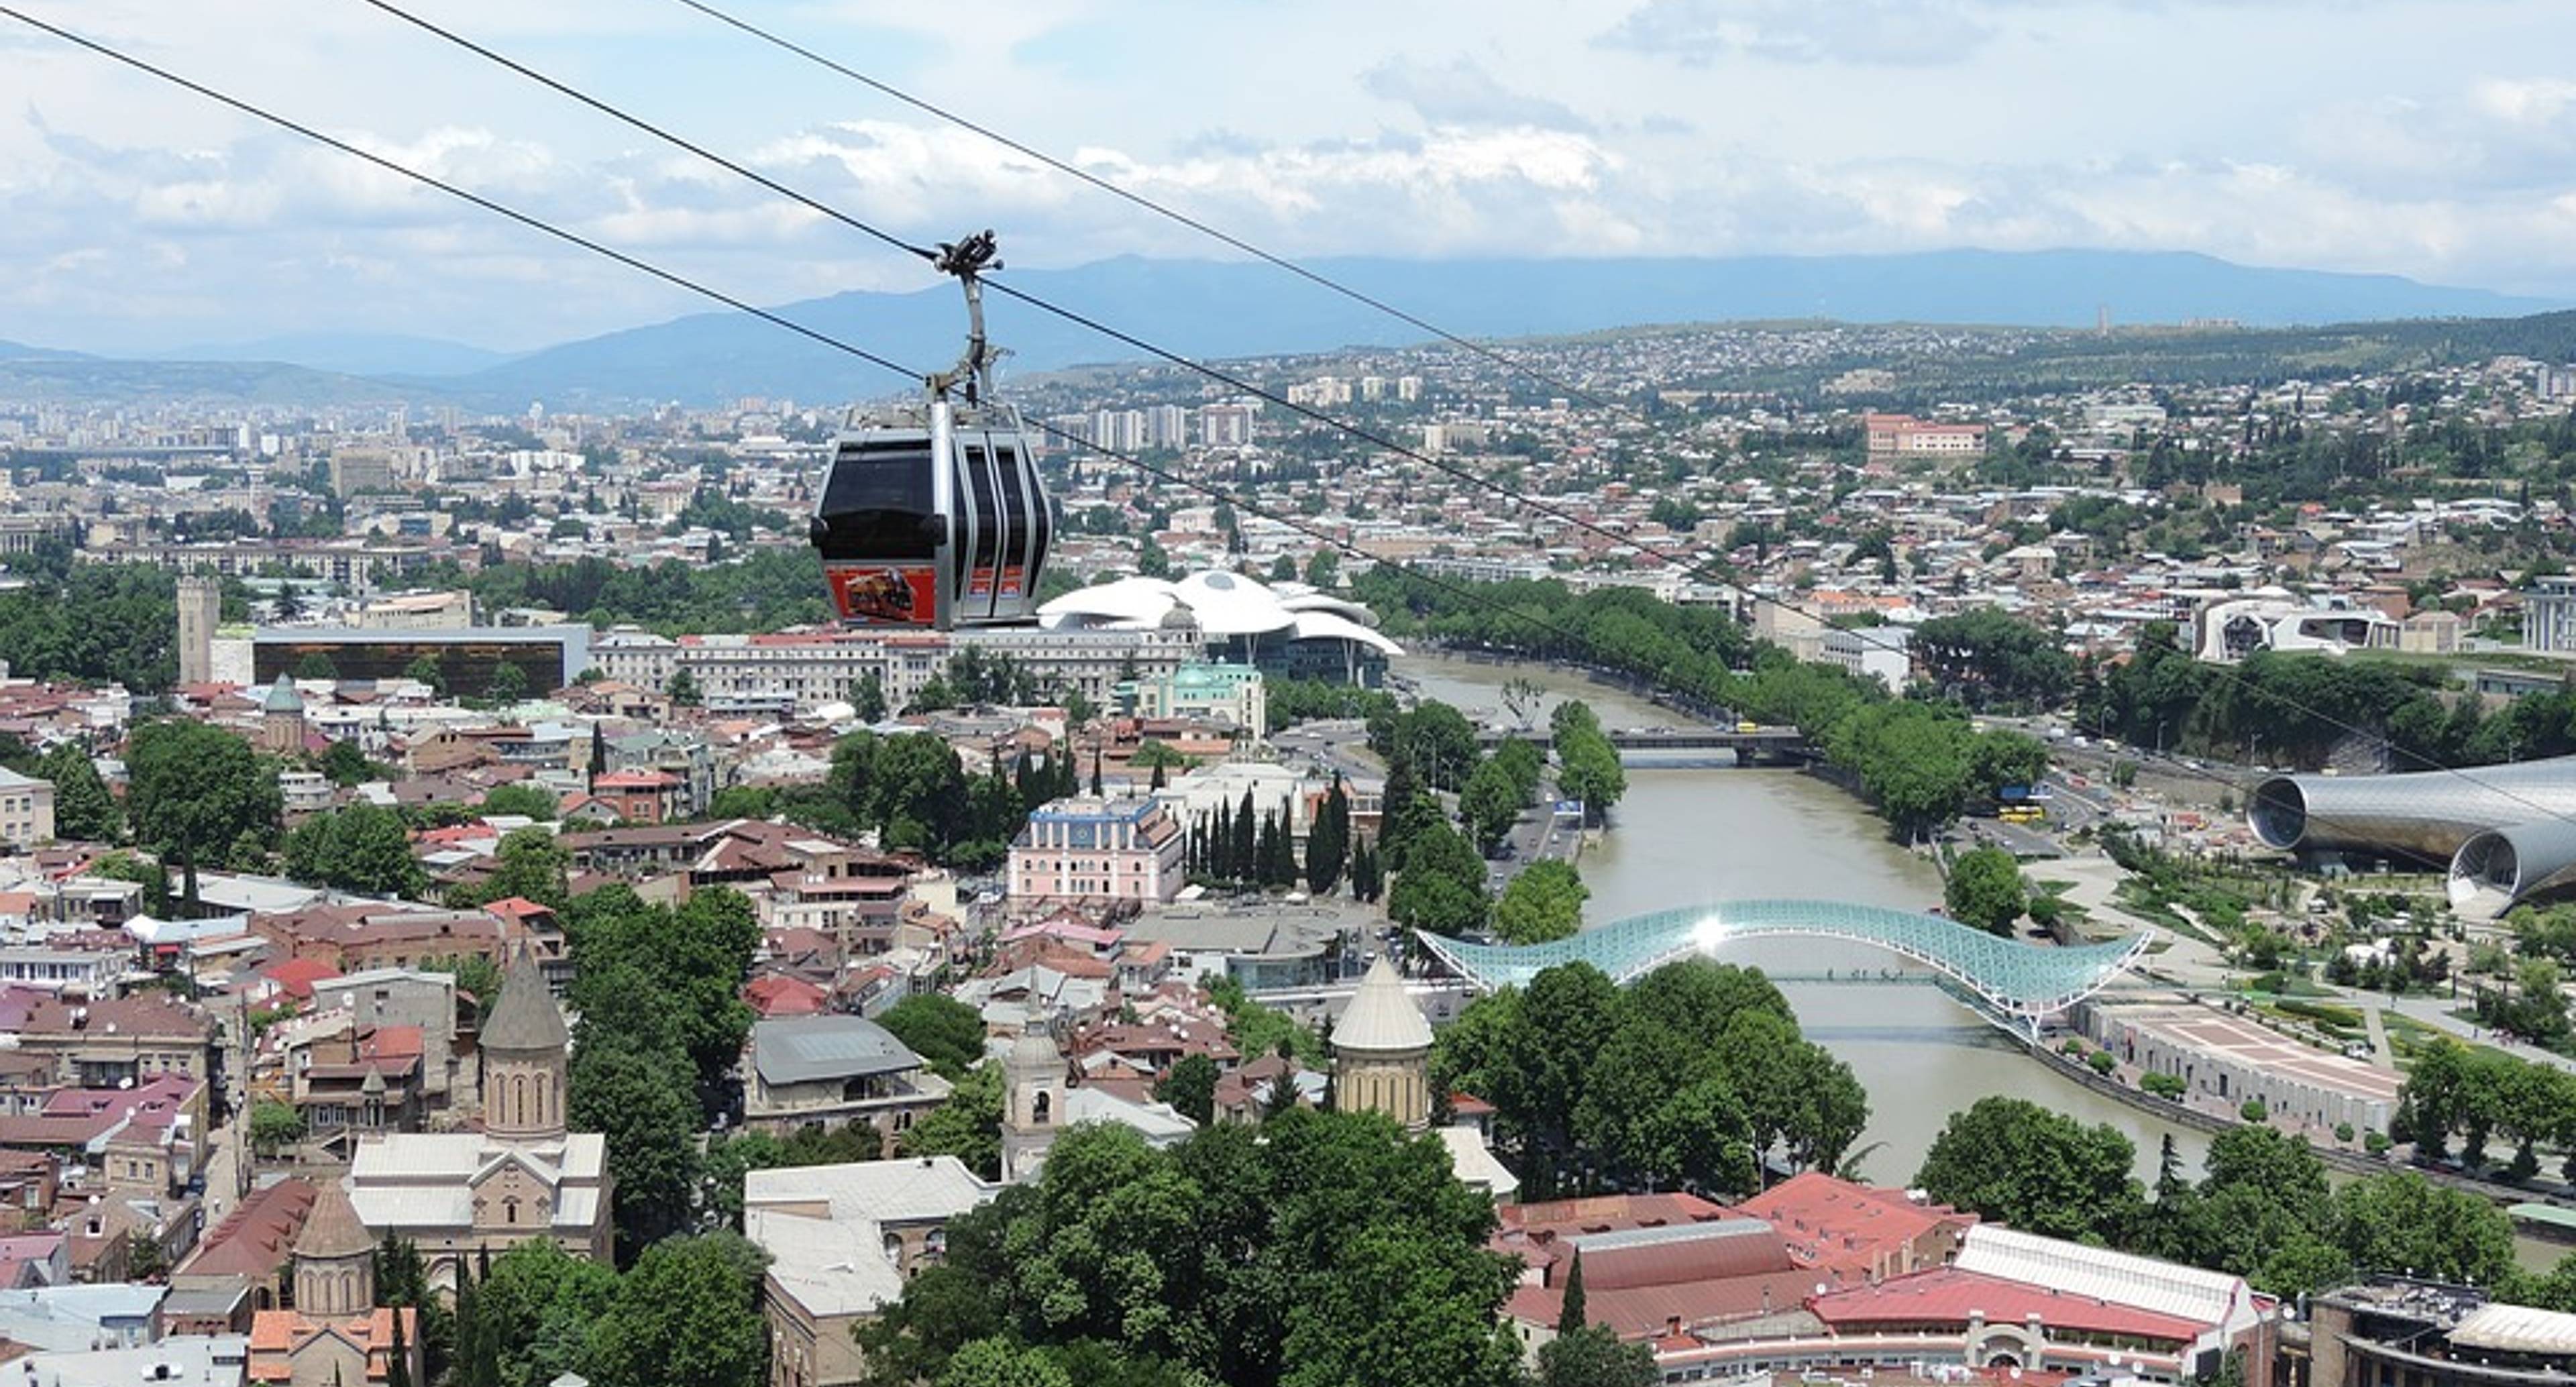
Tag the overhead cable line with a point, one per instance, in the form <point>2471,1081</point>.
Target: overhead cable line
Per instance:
<point>1468,591</point>
<point>1215,233</point>
<point>1232,380</point>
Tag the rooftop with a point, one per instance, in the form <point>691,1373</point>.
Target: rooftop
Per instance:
<point>805,1049</point>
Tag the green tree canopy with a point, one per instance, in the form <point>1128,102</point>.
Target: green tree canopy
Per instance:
<point>359,847</point>
<point>525,800</point>
<point>688,1312</point>
<point>84,811</point>
<point>196,790</point>
<point>1985,890</point>
<point>1190,1088</point>
<point>1442,886</point>
<point>2034,1169</point>
<point>945,1032</point>
<point>1544,902</point>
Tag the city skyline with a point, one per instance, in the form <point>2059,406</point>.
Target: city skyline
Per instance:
<point>2358,135</point>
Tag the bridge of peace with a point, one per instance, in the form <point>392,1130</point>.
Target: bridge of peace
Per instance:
<point>2011,983</point>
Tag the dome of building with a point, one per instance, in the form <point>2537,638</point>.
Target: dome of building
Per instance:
<point>526,1020</point>
<point>332,1229</point>
<point>1381,1018</point>
<point>282,698</point>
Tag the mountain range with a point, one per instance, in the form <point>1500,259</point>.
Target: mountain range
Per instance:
<point>1208,309</point>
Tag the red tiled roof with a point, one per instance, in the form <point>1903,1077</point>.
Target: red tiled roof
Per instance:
<point>1947,1295</point>
<point>296,976</point>
<point>1844,1225</point>
<point>1638,1311</point>
<point>258,1236</point>
<point>776,994</point>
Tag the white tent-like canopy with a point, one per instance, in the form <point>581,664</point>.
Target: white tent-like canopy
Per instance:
<point>1222,605</point>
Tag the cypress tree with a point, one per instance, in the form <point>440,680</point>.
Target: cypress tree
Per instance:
<point>1247,826</point>
<point>398,1362</point>
<point>1570,1317</point>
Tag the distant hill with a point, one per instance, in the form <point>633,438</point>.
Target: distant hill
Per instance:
<point>1209,309</point>
<point>88,380</point>
<point>20,351</point>
<point>349,354</point>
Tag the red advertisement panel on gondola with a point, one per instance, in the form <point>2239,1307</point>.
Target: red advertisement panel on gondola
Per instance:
<point>885,594</point>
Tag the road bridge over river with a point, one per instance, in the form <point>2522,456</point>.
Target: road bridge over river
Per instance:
<point>1760,744</point>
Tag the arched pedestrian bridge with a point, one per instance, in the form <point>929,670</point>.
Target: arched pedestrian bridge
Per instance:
<point>2013,981</point>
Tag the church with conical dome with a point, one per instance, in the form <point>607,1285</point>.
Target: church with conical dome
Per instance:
<point>456,1194</point>
<point>1382,1052</point>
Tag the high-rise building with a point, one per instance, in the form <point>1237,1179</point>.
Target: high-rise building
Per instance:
<point>201,608</point>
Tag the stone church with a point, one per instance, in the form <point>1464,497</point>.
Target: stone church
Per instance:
<point>523,1176</point>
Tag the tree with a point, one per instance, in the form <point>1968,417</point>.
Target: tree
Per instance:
<point>682,689</point>
<point>1328,841</point>
<point>359,847</point>
<point>316,667</point>
<point>344,763</point>
<point>1442,886</point>
<point>1491,804</point>
<point>1367,880</point>
<point>1593,1356</point>
<point>629,1082</point>
<point>531,865</point>
<point>1002,1363</point>
<point>1190,1087</point>
<point>424,670</point>
<point>274,1126</point>
<point>1544,902</point>
<point>1985,890</point>
<point>688,1312</point>
<point>1990,658</point>
<point>531,1317</point>
<point>868,700</point>
<point>525,800</point>
<point>194,790</point>
<point>1573,1312</point>
<point>1151,561</point>
<point>509,683</point>
<point>967,1126</point>
<point>84,811</point>
<point>945,1032</point>
<point>398,1361</point>
<point>2403,1223</point>
<point>2034,1169</point>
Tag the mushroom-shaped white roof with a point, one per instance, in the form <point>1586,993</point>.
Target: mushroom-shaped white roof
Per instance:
<point>1333,626</point>
<point>1127,601</point>
<point>1313,601</point>
<point>1381,1018</point>
<point>1230,604</point>
<point>1218,603</point>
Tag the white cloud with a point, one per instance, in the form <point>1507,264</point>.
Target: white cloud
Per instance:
<point>2348,134</point>
<point>1461,92</point>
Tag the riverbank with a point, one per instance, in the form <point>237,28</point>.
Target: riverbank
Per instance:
<point>2339,1159</point>
<point>1703,833</point>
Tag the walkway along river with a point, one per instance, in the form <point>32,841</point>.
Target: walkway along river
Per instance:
<point>1687,835</point>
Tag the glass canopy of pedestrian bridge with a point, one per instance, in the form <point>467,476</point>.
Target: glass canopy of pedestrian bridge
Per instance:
<point>2013,979</point>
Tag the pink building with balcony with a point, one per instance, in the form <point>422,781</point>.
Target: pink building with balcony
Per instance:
<point>1084,849</point>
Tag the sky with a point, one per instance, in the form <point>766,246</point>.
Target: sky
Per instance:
<point>2434,139</point>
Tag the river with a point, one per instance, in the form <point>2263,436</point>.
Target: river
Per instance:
<point>1711,834</point>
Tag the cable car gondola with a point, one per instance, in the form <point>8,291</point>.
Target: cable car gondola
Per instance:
<point>935,516</point>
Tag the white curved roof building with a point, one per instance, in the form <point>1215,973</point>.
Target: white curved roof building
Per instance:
<point>1290,628</point>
